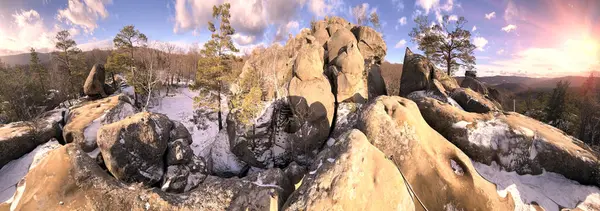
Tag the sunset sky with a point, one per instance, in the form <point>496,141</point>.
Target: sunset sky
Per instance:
<point>514,37</point>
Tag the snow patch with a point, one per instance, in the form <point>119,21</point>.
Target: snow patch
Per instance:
<point>90,132</point>
<point>15,170</point>
<point>461,125</point>
<point>550,190</point>
<point>457,169</point>
<point>318,166</point>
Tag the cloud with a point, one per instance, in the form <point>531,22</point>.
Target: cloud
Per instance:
<point>242,39</point>
<point>490,15</point>
<point>322,8</point>
<point>96,44</point>
<point>435,6</point>
<point>250,18</point>
<point>84,13</point>
<point>480,43</point>
<point>399,4</point>
<point>509,28</point>
<point>400,44</point>
<point>362,11</point>
<point>453,18</point>
<point>474,28</point>
<point>402,21</point>
<point>27,30</point>
<point>573,57</point>
<point>511,11</point>
<point>500,52</point>
<point>283,31</point>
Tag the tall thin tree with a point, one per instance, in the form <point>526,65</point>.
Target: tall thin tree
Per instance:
<point>128,39</point>
<point>213,68</point>
<point>35,66</point>
<point>446,44</point>
<point>67,55</point>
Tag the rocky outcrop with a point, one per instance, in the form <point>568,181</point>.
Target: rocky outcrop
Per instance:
<point>513,141</point>
<point>474,102</point>
<point>370,43</point>
<point>84,120</point>
<point>376,83</point>
<point>337,41</point>
<point>140,148</point>
<point>475,85</point>
<point>19,138</point>
<point>312,106</point>
<point>418,74</point>
<point>441,175</point>
<point>347,75</point>
<point>352,175</point>
<point>220,159</point>
<point>70,180</point>
<point>94,85</point>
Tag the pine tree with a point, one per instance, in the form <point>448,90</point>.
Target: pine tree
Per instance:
<point>117,63</point>
<point>213,68</point>
<point>128,39</point>
<point>445,43</point>
<point>556,107</point>
<point>67,56</point>
<point>36,68</point>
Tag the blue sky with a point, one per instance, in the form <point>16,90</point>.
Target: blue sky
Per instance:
<point>534,37</point>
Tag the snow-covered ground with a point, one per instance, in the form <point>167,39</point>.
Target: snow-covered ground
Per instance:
<point>15,170</point>
<point>180,107</point>
<point>549,190</point>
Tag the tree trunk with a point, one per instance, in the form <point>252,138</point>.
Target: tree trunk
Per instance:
<point>135,97</point>
<point>219,114</point>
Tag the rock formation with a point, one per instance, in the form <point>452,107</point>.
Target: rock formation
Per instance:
<point>94,85</point>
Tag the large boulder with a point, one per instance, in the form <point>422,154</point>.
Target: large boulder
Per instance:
<point>474,102</point>
<point>513,141</point>
<point>376,83</point>
<point>68,179</point>
<point>370,43</point>
<point>418,74</point>
<point>337,41</point>
<point>94,84</point>
<point>352,175</point>
<point>84,120</point>
<point>475,85</point>
<point>132,148</point>
<point>19,138</point>
<point>220,159</point>
<point>348,75</point>
<point>309,63</point>
<point>441,175</point>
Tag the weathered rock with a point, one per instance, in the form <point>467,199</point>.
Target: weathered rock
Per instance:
<point>312,105</point>
<point>370,43</point>
<point>70,180</point>
<point>94,83</point>
<point>346,119</point>
<point>19,138</point>
<point>440,175</point>
<point>322,36</point>
<point>472,101</point>
<point>352,175</point>
<point>418,74</point>
<point>309,63</point>
<point>475,85</point>
<point>84,120</point>
<point>180,132</point>
<point>349,79</point>
<point>513,141</point>
<point>376,83</point>
<point>295,172</point>
<point>337,41</point>
<point>262,142</point>
<point>132,148</point>
<point>178,152</point>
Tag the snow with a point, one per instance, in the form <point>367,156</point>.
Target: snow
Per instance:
<point>15,170</point>
<point>454,103</point>
<point>90,132</point>
<point>457,169</point>
<point>318,166</point>
<point>550,190</point>
<point>461,125</point>
<point>489,134</point>
<point>330,142</point>
<point>180,107</point>
<point>259,182</point>
<point>223,160</point>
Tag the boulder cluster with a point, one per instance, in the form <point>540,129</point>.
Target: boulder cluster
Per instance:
<point>328,137</point>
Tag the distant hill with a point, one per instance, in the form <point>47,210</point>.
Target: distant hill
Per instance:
<point>516,84</point>
<point>23,59</point>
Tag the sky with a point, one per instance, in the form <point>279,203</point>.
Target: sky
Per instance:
<point>540,38</point>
